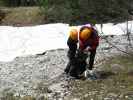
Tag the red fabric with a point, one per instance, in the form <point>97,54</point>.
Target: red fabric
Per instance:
<point>95,43</point>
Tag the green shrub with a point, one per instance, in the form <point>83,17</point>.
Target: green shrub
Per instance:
<point>84,11</point>
<point>1,3</point>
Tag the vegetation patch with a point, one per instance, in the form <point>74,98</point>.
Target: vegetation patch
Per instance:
<point>116,86</point>
<point>23,16</point>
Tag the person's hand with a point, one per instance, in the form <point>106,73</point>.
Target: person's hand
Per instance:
<point>87,49</point>
<point>88,73</point>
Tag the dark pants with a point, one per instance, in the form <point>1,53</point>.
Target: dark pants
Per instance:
<point>77,62</point>
<point>91,60</point>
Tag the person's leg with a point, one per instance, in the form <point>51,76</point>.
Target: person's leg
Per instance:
<point>71,57</point>
<point>67,67</point>
<point>71,53</point>
<point>73,71</point>
<point>72,65</point>
<point>90,73</point>
<point>81,62</point>
<point>91,61</point>
<point>81,67</point>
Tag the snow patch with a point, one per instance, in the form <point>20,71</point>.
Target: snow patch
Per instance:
<point>21,41</point>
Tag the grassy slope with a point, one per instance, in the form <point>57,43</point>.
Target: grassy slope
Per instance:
<point>22,16</point>
<point>117,85</point>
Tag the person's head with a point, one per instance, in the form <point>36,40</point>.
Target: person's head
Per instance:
<point>85,33</point>
<point>73,34</point>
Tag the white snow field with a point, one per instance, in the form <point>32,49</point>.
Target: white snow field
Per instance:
<point>21,41</point>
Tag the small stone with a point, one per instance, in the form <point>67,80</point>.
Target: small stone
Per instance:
<point>112,95</point>
<point>116,68</point>
<point>126,96</point>
<point>76,99</point>
<point>107,99</point>
<point>86,95</point>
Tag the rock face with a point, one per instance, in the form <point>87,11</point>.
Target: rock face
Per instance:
<point>41,74</point>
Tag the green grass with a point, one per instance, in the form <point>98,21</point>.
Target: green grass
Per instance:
<point>1,3</point>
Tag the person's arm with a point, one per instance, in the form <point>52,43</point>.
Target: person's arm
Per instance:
<point>95,43</point>
<point>72,44</point>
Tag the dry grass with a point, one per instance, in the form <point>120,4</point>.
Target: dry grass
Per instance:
<point>23,16</point>
<point>116,86</point>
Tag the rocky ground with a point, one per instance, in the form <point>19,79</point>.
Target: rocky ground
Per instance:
<point>41,76</point>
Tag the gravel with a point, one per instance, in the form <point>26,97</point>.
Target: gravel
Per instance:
<point>43,73</point>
